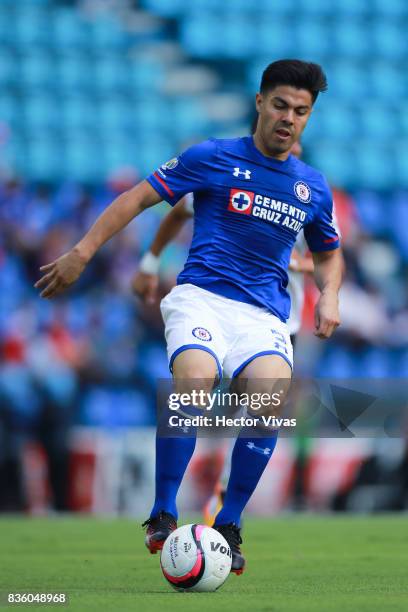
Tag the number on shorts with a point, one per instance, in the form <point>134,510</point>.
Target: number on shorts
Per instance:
<point>279,341</point>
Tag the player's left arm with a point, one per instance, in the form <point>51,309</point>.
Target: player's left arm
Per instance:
<point>328,274</point>
<point>323,238</point>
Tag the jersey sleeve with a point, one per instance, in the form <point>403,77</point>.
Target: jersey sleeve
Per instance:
<point>321,233</point>
<point>184,174</point>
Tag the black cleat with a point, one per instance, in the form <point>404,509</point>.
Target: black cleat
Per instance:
<point>158,529</point>
<point>232,534</point>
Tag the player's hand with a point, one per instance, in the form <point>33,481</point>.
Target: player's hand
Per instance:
<point>146,286</point>
<point>297,263</point>
<point>327,317</point>
<point>60,274</point>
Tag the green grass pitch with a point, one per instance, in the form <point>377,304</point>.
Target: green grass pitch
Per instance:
<point>294,563</point>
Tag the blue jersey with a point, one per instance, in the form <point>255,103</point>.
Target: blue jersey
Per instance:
<point>248,211</point>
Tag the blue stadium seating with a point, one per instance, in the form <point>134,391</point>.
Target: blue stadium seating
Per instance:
<point>63,70</point>
<point>68,31</point>
<point>390,40</point>
<point>370,209</point>
<point>390,8</point>
<point>311,39</point>
<point>334,160</point>
<point>350,39</point>
<point>72,74</point>
<point>372,171</point>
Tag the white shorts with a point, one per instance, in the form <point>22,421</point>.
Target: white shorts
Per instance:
<point>233,332</point>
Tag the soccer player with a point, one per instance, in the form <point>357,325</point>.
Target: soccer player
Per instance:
<point>227,314</point>
<point>145,283</point>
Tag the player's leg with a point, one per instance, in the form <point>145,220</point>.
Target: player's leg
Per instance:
<point>193,369</point>
<point>267,374</point>
<point>195,347</point>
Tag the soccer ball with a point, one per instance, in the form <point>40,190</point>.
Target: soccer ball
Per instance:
<point>196,558</point>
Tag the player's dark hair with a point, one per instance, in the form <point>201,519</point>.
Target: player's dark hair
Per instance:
<point>302,75</point>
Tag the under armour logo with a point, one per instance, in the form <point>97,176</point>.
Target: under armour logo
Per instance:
<point>246,173</point>
<point>258,449</point>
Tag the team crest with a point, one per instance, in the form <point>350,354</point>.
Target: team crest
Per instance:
<point>241,201</point>
<point>202,334</point>
<point>303,192</point>
<point>172,163</point>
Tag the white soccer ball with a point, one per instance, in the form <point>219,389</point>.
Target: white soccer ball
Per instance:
<point>196,558</point>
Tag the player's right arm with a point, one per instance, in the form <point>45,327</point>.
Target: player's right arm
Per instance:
<point>182,175</point>
<point>64,271</point>
<point>146,280</point>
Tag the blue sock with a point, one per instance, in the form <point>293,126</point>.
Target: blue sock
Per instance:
<point>172,458</point>
<point>250,457</point>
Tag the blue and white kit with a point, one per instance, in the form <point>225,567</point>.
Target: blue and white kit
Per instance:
<point>248,211</point>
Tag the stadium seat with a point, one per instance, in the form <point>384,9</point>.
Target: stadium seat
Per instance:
<point>310,39</point>
<point>9,110</point>
<point>348,81</point>
<point>107,35</point>
<point>41,112</point>
<point>337,125</point>
<point>145,74</point>
<point>391,8</point>
<point>77,112</point>
<point>401,164</point>
<point>202,37</point>
<point>148,116</point>
<point>81,160</point>
<point>36,71</point>
<point>235,40</point>
<point>273,39</point>
<point>389,40</point>
<point>333,160</point>
<point>149,154</point>
<point>188,117</point>
<point>287,8</point>
<point>43,159</point>
<point>350,39</point>
<point>384,81</point>
<point>314,8</point>
<point>115,115</point>
<point>166,8</point>
<point>110,76</point>
<point>69,31</point>
<point>31,28</point>
<point>349,9</point>
<point>373,165</point>
<point>72,74</point>
<point>376,120</point>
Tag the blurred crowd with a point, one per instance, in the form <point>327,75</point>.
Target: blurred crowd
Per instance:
<point>93,356</point>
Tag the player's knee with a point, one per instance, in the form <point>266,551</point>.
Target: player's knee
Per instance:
<point>194,381</point>
<point>194,377</point>
<point>193,367</point>
<point>264,397</point>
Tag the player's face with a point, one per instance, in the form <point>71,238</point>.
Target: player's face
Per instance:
<point>283,114</point>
